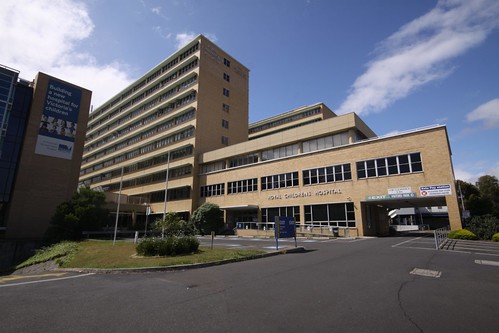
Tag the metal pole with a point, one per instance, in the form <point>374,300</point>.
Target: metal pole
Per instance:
<point>118,207</point>
<point>166,185</point>
<point>147,216</point>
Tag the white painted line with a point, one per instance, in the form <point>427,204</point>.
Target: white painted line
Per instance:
<point>48,280</point>
<point>407,241</point>
<point>487,262</point>
<point>426,272</point>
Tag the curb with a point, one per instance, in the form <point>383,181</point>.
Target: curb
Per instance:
<point>299,249</point>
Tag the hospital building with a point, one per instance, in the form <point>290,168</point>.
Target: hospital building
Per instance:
<point>179,136</point>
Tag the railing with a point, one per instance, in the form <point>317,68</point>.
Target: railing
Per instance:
<point>441,237</point>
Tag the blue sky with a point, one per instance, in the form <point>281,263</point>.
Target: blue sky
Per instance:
<point>399,64</point>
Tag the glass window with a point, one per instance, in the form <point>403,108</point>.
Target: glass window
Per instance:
<point>392,166</point>
<point>381,166</point>
<point>416,164</point>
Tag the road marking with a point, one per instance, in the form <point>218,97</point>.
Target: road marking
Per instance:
<point>19,277</point>
<point>487,262</point>
<point>407,241</point>
<point>426,272</point>
<point>48,280</point>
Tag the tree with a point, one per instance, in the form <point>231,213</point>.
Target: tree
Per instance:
<point>489,191</point>
<point>173,225</point>
<point>84,212</point>
<point>207,218</point>
<point>483,198</point>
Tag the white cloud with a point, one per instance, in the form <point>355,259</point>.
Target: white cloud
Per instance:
<point>464,175</point>
<point>417,52</point>
<point>44,35</point>
<point>182,39</point>
<point>487,112</point>
<point>470,172</point>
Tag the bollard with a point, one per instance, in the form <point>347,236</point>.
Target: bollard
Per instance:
<point>212,237</point>
<point>136,237</point>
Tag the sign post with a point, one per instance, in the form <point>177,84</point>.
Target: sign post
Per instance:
<point>285,227</point>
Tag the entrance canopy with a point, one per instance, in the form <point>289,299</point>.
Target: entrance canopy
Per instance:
<point>239,207</point>
<point>408,202</point>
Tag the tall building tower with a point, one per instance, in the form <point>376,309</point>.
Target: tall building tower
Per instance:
<point>43,130</point>
<point>142,146</point>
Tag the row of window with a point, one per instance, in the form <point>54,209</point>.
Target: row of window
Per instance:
<point>335,173</point>
<point>387,166</point>
<point>289,119</point>
<point>280,152</point>
<point>330,215</point>
<point>153,178</point>
<point>269,214</point>
<point>171,77</point>
<point>282,180</point>
<point>242,186</point>
<point>150,78</point>
<point>325,142</point>
<point>161,112</point>
<point>142,165</point>
<point>212,190</point>
<point>174,194</point>
<point>190,114</point>
<point>187,133</point>
<point>330,174</point>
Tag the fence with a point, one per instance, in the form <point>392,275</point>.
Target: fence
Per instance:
<point>441,237</point>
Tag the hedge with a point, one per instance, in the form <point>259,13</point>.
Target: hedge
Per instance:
<point>168,246</point>
<point>462,234</point>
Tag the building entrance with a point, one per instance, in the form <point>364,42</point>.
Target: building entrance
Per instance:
<point>388,216</point>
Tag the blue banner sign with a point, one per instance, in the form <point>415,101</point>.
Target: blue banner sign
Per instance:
<point>57,130</point>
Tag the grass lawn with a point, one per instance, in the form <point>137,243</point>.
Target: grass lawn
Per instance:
<point>102,254</point>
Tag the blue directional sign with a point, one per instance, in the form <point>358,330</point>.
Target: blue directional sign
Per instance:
<point>285,227</point>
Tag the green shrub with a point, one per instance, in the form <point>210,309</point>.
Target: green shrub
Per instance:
<point>60,251</point>
<point>146,247</point>
<point>462,234</point>
<point>168,246</point>
<point>495,237</point>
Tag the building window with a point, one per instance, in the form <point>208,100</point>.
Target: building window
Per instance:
<point>282,180</point>
<point>212,190</point>
<point>243,160</point>
<point>226,77</point>
<point>226,62</point>
<point>242,186</point>
<point>330,215</point>
<point>388,166</point>
<point>225,123</point>
<point>225,107</point>
<point>269,214</point>
<point>225,140</point>
<point>179,193</point>
<point>325,142</point>
<point>214,166</point>
<point>226,92</point>
<point>280,152</point>
<point>330,174</point>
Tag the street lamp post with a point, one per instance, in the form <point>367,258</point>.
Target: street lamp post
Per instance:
<point>118,207</point>
<point>166,185</point>
<point>148,211</point>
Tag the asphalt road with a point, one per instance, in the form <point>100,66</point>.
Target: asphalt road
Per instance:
<point>396,284</point>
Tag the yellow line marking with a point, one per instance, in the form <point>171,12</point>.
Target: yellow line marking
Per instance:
<point>19,277</point>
